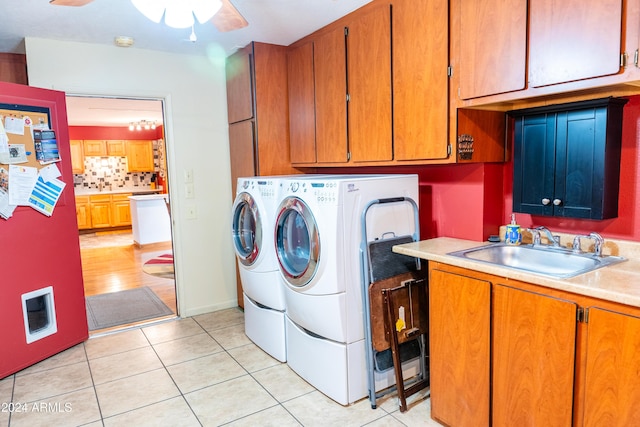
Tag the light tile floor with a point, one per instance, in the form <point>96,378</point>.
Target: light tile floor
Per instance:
<point>199,371</point>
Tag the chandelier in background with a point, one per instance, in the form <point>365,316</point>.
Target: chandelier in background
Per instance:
<point>142,124</point>
<point>178,13</point>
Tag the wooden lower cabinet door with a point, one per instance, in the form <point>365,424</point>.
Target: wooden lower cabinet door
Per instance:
<point>612,383</point>
<point>534,341</point>
<point>460,315</point>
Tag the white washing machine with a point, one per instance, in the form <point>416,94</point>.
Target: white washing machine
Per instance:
<point>253,217</point>
<point>317,238</point>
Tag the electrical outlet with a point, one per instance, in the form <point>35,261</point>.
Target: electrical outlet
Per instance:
<point>192,212</point>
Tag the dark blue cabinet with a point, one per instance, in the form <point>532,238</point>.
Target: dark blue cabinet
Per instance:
<point>566,159</point>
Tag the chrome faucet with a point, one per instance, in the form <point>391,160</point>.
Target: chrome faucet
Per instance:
<point>553,240</point>
<point>597,239</point>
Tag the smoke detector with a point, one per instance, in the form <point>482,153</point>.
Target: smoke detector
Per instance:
<point>123,41</point>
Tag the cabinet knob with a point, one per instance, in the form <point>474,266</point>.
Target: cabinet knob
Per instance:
<point>557,202</point>
<point>546,201</point>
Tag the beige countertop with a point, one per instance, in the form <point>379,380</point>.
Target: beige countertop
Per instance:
<point>619,283</point>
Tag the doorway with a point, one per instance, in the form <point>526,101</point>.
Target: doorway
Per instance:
<point>111,138</point>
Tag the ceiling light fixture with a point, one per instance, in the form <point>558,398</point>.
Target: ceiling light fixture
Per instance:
<point>142,124</point>
<point>178,13</point>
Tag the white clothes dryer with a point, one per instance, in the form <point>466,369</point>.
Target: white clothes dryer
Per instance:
<point>253,217</point>
<point>317,239</point>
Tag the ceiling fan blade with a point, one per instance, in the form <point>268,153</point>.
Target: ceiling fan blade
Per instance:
<point>70,2</point>
<point>228,18</point>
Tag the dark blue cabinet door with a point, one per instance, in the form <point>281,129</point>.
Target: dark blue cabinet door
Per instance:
<point>567,159</point>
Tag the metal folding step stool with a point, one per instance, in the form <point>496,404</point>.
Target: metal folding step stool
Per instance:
<point>395,305</point>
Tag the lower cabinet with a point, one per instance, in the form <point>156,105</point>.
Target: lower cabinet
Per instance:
<point>103,211</point>
<point>507,353</point>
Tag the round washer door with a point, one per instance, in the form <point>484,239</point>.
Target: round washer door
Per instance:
<point>246,229</point>
<point>297,242</point>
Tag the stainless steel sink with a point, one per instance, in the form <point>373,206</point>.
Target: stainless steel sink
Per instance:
<point>539,259</point>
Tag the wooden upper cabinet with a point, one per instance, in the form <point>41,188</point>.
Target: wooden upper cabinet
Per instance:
<point>116,147</point>
<point>242,142</point>
<point>533,358</point>
<point>369,86</point>
<point>302,117</point>
<point>140,156</point>
<point>95,147</point>
<point>573,40</point>
<point>493,47</point>
<point>13,68</point>
<point>420,81</point>
<point>77,156</point>
<point>612,382</point>
<point>330,69</point>
<point>240,85</point>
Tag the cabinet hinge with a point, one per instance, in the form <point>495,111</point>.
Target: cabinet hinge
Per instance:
<point>348,155</point>
<point>448,150</point>
<point>582,315</point>
<point>635,58</point>
<point>623,59</point>
<point>346,31</point>
<point>450,71</point>
<point>348,97</point>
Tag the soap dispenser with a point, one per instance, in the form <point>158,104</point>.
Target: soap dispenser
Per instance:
<point>513,235</point>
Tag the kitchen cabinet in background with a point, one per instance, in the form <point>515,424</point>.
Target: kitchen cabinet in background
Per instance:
<point>83,212</point>
<point>104,147</point>
<point>566,159</point>
<point>139,155</point>
<point>101,211</point>
<point>13,68</point>
<point>556,358</point>
<point>77,155</point>
<point>120,210</point>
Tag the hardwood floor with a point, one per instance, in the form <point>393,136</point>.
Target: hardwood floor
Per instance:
<point>107,268</point>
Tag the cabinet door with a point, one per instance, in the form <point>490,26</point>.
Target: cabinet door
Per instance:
<point>459,340</point>
<point>140,156</point>
<point>533,359</point>
<point>493,47</point>
<point>100,211</point>
<point>420,95</point>
<point>302,118</point>
<point>83,212</point>
<point>121,212</point>
<point>369,86</point>
<point>242,151</point>
<point>330,69</point>
<point>116,147</point>
<point>239,70</point>
<point>612,383</point>
<point>77,156</point>
<point>534,153</point>
<point>573,40</point>
<point>96,148</point>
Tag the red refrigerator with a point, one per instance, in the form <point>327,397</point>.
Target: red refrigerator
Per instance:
<point>42,305</point>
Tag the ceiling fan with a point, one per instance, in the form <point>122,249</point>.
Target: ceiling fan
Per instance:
<point>226,19</point>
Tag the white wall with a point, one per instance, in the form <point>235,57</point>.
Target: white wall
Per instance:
<point>196,129</point>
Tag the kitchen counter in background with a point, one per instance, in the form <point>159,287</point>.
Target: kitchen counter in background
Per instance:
<point>618,283</point>
<point>119,190</point>
<point>150,222</point>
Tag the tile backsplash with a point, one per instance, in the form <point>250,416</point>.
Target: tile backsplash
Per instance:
<point>112,172</point>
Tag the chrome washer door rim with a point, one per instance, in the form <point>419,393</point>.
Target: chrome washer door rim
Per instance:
<point>295,212</point>
<point>247,241</point>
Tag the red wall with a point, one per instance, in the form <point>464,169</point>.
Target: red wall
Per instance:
<point>626,225</point>
<point>101,132</point>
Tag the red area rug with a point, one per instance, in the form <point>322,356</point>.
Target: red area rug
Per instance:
<point>160,266</point>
